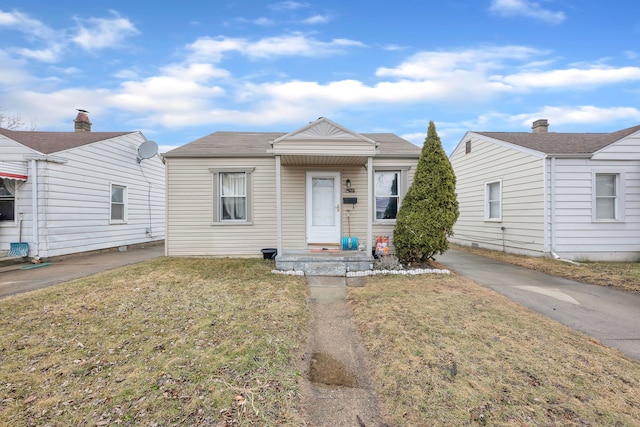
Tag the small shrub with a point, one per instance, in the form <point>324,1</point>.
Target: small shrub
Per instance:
<point>387,262</point>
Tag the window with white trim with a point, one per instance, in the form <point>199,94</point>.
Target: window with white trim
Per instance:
<point>232,195</point>
<point>387,194</point>
<point>118,203</point>
<point>7,200</point>
<point>493,201</point>
<point>608,196</point>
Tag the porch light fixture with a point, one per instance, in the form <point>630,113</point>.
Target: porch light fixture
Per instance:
<point>348,183</point>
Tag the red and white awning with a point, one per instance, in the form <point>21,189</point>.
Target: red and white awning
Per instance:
<point>14,170</point>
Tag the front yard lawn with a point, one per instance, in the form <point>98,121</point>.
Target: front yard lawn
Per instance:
<point>204,342</point>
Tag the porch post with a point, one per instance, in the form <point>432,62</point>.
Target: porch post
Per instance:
<point>278,206</point>
<point>370,201</point>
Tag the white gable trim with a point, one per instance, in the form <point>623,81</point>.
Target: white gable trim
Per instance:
<point>323,129</point>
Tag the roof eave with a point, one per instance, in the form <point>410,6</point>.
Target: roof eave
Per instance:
<point>215,155</point>
<point>570,155</point>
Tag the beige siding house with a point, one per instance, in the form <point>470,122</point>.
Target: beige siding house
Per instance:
<point>567,195</point>
<point>319,188</point>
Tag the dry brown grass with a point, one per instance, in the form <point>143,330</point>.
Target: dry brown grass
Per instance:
<point>448,352</point>
<point>175,342</point>
<point>167,342</point>
<point>621,275</point>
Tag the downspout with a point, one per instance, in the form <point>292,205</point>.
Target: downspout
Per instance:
<point>552,213</point>
<point>370,204</point>
<point>278,206</point>
<point>34,207</point>
<point>552,208</point>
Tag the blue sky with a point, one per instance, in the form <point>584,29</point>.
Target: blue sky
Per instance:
<point>180,70</point>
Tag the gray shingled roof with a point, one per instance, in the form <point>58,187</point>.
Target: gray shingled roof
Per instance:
<point>562,143</point>
<point>238,144</point>
<point>53,142</point>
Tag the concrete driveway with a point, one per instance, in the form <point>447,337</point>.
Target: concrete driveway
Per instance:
<point>14,279</point>
<point>608,315</point>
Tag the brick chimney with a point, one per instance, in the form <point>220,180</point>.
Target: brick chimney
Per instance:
<point>82,121</point>
<point>540,126</point>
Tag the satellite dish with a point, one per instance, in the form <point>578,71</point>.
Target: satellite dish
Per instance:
<point>146,150</point>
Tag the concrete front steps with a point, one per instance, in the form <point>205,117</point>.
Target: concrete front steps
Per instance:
<point>324,263</point>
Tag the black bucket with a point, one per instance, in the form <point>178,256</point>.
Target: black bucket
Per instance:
<point>269,253</point>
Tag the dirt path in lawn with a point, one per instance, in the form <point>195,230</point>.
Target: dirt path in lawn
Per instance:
<point>336,388</point>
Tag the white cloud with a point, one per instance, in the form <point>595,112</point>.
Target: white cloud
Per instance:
<point>295,44</point>
<point>51,54</point>
<point>36,32</point>
<point>264,22</point>
<point>12,71</point>
<point>585,115</point>
<point>26,24</point>
<point>562,118</point>
<point>94,33</point>
<point>288,5</point>
<point>392,47</point>
<point>436,65</point>
<point>101,33</point>
<point>526,8</point>
<point>316,20</point>
<point>572,77</point>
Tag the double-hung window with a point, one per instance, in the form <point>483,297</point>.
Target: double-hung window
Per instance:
<point>387,194</point>
<point>493,201</point>
<point>232,195</point>
<point>607,196</point>
<point>118,203</point>
<point>7,200</point>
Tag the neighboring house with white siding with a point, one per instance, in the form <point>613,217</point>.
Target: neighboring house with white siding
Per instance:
<point>236,193</point>
<point>574,196</point>
<point>71,192</point>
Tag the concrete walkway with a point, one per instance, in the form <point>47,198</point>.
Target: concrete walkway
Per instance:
<point>611,316</point>
<point>337,390</point>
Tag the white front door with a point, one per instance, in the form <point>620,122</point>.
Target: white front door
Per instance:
<point>323,207</point>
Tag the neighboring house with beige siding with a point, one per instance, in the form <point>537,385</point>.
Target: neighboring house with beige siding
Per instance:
<point>567,195</point>
<point>71,192</point>
<point>236,193</point>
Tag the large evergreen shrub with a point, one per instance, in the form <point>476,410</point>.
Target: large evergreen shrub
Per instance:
<point>430,208</point>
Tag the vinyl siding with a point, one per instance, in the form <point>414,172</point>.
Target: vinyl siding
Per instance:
<point>9,231</point>
<point>190,231</point>
<point>356,214</point>
<point>74,199</point>
<point>190,227</point>
<point>293,208</point>
<point>294,204</point>
<point>576,236</point>
<point>626,148</point>
<point>522,175</point>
